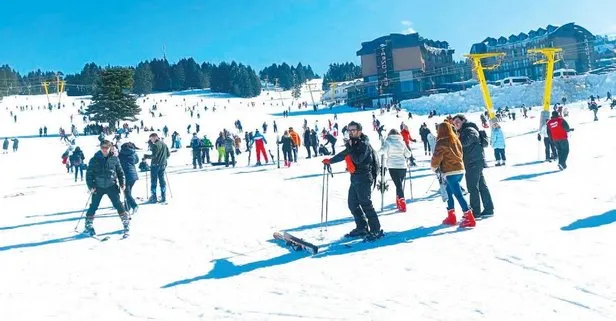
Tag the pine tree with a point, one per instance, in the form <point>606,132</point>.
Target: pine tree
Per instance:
<point>111,101</point>
<point>143,79</point>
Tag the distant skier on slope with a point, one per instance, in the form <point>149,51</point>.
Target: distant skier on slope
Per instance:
<point>363,167</point>
<point>260,141</point>
<point>105,177</point>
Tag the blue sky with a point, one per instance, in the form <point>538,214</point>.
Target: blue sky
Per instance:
<point>64,35</point>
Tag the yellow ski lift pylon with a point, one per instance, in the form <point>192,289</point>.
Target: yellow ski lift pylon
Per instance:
<point>481,78</point>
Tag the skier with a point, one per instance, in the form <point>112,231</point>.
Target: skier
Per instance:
<point>296,142</point>
<point>195,144</point>
<point>128,159</point>
<point>497,140</point>
<point>287,144</point>
<point>474,159</point>
<point>423,133</point>
<point>396,154</point>
<point>105,177</point>
<point>15,144</point>
<point>76,159</point>
<point>307,141</point>
<point>260,142</point>
<point>363,167</point>
<point>205,150</point>
<point>448,164</point>
<point>229,149</point>
<point>159,156</point>
<point>275,127</point>
<point>558,128</point>
<point>220,146</point>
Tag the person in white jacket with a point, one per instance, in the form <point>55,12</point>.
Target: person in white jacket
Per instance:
<point>396,153</point>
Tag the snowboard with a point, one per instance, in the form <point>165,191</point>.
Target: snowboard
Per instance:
<point>296,243</point>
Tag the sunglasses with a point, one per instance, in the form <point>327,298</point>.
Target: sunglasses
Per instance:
<point>353,130</point>
<point>105,147</point>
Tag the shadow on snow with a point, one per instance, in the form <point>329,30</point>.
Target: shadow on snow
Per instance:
<point>63,213</point>
<point>311,176</point>
<point>322,111</point>
<point>608,217</point>
<point>53,241</point>
<point>528,176</point>
<point>223,268</point>
<point>4,228</point>
<point>529,163</point>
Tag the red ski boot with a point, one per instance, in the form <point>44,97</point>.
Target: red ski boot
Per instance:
<point>451,217</point>
<point>401,204</point>
<point>468,220</point>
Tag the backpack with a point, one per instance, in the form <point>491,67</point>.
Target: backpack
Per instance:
<point>483,139</point>
<point>375,166</point>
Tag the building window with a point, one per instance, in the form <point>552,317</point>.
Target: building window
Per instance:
<point>406,86</point>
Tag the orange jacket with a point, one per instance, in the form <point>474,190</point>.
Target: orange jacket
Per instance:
<point>295,138</point>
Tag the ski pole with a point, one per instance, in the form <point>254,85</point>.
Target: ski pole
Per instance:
<point>323,194</point>
<point>430,187</point>
<point>411,182</point>
<point>147,193</point>
<point>329,169</point>
<point>84,211</point>
<point>168,185</point>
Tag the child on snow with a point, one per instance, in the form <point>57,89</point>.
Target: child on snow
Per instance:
<point>498,143</point>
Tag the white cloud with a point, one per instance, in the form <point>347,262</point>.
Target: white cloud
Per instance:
<point>408,27</point>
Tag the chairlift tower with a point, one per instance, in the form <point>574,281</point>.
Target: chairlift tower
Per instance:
<point>481,77</point>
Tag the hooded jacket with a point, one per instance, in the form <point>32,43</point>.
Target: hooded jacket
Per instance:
<point>128,159</point>
<point>104,172</point>
<point>395,151</point>
<point>447,156</point>
<point>497,140</point>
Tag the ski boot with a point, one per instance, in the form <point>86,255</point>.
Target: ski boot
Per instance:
<point>89,229</point>
<point>451,217</point>
<point>468,220</point>
<point>153,199</point>
<point>163,198</point>
<point>401,204</point>
<point>357,232</point>
<point>126,224</point>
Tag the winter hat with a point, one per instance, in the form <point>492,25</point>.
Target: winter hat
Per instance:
<point>555,113</point>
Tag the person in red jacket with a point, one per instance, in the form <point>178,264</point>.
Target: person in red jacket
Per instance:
<point>557,129</point>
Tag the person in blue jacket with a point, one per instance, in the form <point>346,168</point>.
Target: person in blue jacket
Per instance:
<point>128,159</point>
<point>498,143</point>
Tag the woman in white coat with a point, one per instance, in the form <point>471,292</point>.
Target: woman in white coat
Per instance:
<point>394,149</point>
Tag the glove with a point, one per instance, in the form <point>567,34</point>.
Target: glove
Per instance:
<point>539,137</point>
<point>93,190</point>
<point>327,161</point>
<point>571,129</point>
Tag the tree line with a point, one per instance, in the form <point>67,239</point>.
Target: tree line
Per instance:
<point>158,75</point>
<point>341,72</point>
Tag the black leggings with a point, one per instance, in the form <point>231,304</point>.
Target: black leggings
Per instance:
<point>398,175</point>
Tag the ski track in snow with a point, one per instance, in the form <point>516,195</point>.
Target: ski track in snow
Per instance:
<point>209,253</point>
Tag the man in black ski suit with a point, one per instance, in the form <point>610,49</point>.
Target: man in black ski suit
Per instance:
<point>474,160</point>
<point>359,157</point>
<point>105,177</point>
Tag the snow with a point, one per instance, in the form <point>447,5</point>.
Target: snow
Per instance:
<point>574,88</point>
<point>547,254</point>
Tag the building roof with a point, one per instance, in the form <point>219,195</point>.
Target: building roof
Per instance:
<point>549,31</point>
<point>400,41</point>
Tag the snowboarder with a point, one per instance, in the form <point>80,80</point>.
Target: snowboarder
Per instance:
<point>474,161</point>
<point>105,177</point>
<point>557,129</point>
<point>159,156</point>
<point>396,154</point>
<point>447,162</point>
<point>220,146</point>
<point>363,167</point>
<point>128,159</point>
<point>497,140</point>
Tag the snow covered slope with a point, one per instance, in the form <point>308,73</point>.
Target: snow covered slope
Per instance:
<point>547,254</point>
<point>574,88</point>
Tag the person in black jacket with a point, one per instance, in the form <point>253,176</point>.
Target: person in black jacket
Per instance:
<point>314,142</point>
<point>76,159</point>
<point>287,148</point>
<point>474,160</point>
<point>128,159</point>
<point>360,161</point>
<point>332,141</point>
<point>424,131</point>
<point>307,142</point>
<point>105,177</point>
